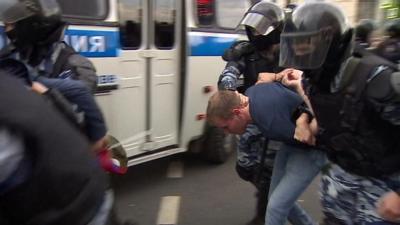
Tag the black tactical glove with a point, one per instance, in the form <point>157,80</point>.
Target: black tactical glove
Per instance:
<point>237,51</point>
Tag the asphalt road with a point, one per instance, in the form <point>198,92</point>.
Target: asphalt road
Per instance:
<point>188,191</point>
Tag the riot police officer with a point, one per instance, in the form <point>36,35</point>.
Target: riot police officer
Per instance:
<point>47,173</point>
<point>356,99</point>
<point>390,47</point>
<point>363,32</point>
<point>36,31</point>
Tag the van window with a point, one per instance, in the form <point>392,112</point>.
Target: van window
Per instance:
<point>205,12</point>
<point>230,12</point>
<point>87,9</point>
<point>164,23</point>
<point>130,23</point>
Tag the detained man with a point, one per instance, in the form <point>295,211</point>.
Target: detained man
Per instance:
<point>274,108</point>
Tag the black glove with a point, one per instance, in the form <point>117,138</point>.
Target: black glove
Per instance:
<point>237,51</point>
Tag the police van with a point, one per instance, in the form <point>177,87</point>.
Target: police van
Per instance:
<point>157,62</point>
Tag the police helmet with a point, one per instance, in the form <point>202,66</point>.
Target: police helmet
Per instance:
<point>31,21</point>
<point>291,6</point>
<point>312,35</point>
<point>393,28</point>
<point>364,29</point>
<point>263,22</point>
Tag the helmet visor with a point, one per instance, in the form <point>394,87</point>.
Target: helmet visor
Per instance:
<point>304,50</point>
<point>261,24</point>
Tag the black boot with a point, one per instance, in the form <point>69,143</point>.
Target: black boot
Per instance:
<point>256,221</point>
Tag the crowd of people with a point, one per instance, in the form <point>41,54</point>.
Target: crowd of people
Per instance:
<point>307,93</point>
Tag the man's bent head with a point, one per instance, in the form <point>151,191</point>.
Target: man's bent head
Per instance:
<point>227,110</point>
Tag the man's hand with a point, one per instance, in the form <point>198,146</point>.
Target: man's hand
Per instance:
<point>39,88</point>
<point>271,77</point>
<point>389,207</point>
<point>266,77</point>
<point>292,78</point>
<point>304,131</point>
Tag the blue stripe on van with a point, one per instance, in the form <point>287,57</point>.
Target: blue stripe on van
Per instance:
<point>100,43</point>
<point>92,43</point>
<point>209,45</point>
<point>89,43</point>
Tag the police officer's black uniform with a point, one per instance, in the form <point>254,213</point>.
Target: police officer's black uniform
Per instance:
<point>61,181</point>
<point>356,99</point>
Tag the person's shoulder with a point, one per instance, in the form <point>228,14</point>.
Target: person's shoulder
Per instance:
<point>270,86</point>
<point>266,90</point>
<point>238,50</point>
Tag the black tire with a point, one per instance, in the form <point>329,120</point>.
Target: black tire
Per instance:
<point>218,146</point>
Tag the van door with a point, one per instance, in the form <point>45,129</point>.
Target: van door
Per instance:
<point>164,64</point>
<point>149,79</point>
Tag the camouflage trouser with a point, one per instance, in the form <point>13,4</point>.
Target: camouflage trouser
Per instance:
<point>349,199</point>
<point>250,149</point>
<point>254,163</point>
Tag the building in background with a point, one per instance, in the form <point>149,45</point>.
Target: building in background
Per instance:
<point>355,10</point>
<point>390,9</point>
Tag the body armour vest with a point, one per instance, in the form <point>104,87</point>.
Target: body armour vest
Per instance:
<point>351,131</point>
<point>65,185</point>
<point>255,64</point>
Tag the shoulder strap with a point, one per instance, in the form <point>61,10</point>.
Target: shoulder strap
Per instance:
<point>62,59</point>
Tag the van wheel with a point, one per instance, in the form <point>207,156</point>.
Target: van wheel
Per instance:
<point>218,146</point>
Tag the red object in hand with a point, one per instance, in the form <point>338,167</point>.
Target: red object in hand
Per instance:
<point>106,162</point>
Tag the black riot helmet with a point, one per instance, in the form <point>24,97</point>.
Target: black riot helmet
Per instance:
<point>316,34</point>
<point>33,26</point>
<point>393,28</point>
<point>263,22</point>
<point>364,29</point>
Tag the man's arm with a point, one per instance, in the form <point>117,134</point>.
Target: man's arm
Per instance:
<point>306,124</point>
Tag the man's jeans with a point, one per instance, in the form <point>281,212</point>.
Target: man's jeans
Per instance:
<point>294,169</point>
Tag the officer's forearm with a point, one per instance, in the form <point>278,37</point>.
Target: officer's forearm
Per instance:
<point>229,76</point>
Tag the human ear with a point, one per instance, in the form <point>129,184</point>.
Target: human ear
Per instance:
<point>236,111</point>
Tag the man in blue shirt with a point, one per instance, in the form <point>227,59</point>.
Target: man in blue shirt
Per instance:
<point>272,107</point>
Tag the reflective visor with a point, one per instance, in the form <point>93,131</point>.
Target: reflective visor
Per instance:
<point>304,50</point>
<point>258,22</point>
<point>15,13</point>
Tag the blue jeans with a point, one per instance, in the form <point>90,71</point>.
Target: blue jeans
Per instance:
<point>294,169</point>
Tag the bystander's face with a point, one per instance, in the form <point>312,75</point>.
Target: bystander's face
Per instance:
<point>235,125</point>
